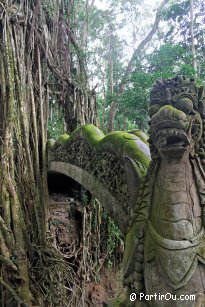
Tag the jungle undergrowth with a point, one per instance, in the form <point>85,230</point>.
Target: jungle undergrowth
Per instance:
<point>61,273</point>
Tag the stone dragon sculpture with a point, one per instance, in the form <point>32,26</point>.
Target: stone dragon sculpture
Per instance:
<point>165,246</point>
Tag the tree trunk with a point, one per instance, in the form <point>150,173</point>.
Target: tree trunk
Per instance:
<point>31,61</point>
<point>194,64</point>
<point>23,162</point>
<point>111,116</point>
<point>77,100</point>
<point>113,107</point>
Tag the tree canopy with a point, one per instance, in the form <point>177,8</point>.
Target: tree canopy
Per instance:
<point>140,45</point>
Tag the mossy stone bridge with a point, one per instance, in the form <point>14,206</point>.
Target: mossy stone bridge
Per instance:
<point>109,166</point>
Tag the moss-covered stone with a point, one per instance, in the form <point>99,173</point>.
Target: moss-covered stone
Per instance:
<point>115,141</point>
<point>63,139</point>
<point>90,133</point>
<point>119,142</point>
<point>125,144</point>
<point>138,150</point>
<point>176,114</point>
<point>143,136</point>
<point>50,144</point>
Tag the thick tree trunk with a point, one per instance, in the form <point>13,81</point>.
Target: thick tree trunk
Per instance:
<point>22,159</point>
<point>29,46</point>
<point>79,106</point>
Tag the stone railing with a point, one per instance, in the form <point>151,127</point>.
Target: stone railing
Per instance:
<point>110,167</point>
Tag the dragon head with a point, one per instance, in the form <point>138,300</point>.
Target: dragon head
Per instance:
<point>176,111</point>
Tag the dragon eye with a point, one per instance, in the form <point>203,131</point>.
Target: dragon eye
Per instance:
<point>184,104</point>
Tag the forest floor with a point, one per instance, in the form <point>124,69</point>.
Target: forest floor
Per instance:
<point>66,223</point>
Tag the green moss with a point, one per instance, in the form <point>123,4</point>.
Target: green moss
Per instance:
<point>138,150</point>
<point>90,133</point>
<point>177,114</point>
<point>63,139</point>
<point>143,136</point>
<point>119,142</point>
<point>139,168</point>
<point>50,143</point>
<point>115,141</point>
<point>125,144</point>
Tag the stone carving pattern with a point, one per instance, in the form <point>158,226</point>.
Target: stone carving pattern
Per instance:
<point>106,167</point>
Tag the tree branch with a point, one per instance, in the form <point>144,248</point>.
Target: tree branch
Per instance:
<point>143,43</point>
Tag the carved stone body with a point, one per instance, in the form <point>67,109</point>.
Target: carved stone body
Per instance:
<point>176,212</point>
<point>169,215</point>
<point>174,241</point>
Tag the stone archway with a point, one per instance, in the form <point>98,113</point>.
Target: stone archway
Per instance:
<point>91,184</point>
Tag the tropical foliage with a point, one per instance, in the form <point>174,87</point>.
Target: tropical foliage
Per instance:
<point>110,37</point>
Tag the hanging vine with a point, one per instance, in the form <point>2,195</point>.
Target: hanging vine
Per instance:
<point>33,52</point>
